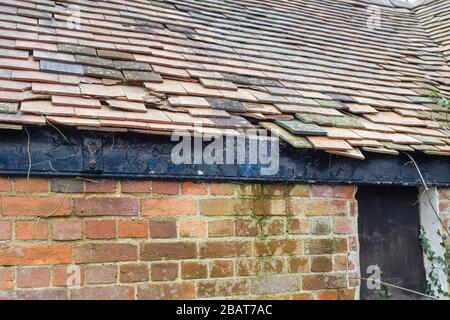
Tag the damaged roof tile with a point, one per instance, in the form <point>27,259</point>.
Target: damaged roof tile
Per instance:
<point>173,66</point>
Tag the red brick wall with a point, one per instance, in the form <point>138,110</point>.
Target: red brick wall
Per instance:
<point>170,240</point>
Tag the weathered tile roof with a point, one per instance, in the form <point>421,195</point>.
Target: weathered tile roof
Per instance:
<point>312,71</point>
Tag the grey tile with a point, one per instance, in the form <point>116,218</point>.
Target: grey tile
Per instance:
<point>93,61</point>
<point>62,68</point>
<point>142,76</point>
<point>102,73</point>
<point>6,107</point>
<point>225,104</point>
<point>68,48</point>
<point>132,66</point>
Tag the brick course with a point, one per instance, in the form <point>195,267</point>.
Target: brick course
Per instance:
<point>176,240</point>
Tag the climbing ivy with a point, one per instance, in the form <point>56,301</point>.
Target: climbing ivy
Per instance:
<point>434,287</point>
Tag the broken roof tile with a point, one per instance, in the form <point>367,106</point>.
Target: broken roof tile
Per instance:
<point>14,85</point>
<point>209,66</point>
<point>45,108</point>
<point>168,87</point>
<point>72,121</point>
<point>293,140</point>
<point>127,105</point>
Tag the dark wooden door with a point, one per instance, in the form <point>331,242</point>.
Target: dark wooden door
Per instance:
<point>389,227</point>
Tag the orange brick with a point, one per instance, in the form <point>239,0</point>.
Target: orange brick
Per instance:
<point>346,294</point>
<point>67,230</point>
<point>326,246</point>
<point>105,252</point>
<point>194,270</point>
<point>133,273</point>
<point>192,228</point>
<point>163,229</point>
<point>272,207</point>
<point>273,266</point>
<point>224,189</point>
<point>274,190</point>
<point>6,279</point>
<point>35,254</point>
<point>298,190</point>
<point>273,227</point>
<point>164,271</point>
<point>154,251</point>
<point>298,265</point>
<point>225,249</point>
<point>5,185</point>
<point>5,230</point>
<point>99,293</point>
<point>166,187</point>
<point>104,274</point>
<point>100,229</point>
<point>135,186</point>
<point>298,226</point>
<point>221,268</point>
<point>33,277</point>
<point>278,247</point>
<point>226,207</point>
<point>31,185</point>
<point>63,276</point>
<point>88,207</point>
<point>323,281</point>
<point>246,228</point>
<point>342,226</point>
<point>302,296</point>
<point>168,207</point>
<point>193,188</point>
<point>167,291</point>
<point>221,228</point>
<point>326,295</point>
<point>321,264</point>
<point>133,229</point>
<point>31,230</point>
<point>222,288</point>
<point>347,192</point>
<point>100,186</point>
<point>247,267</point>
<point>322,207</point>
<point>36,206</point>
